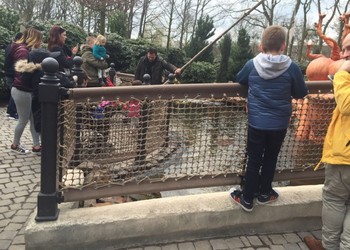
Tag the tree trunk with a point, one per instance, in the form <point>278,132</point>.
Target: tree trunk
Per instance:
<point>130,18</point>
<point>103,20</point>
<point>143,18</point>
<point>82,16</point>
<point>291,29</point>
<point>306,9</point>
<point>172,7</point>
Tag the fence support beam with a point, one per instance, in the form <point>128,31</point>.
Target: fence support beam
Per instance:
<point>49,96</point>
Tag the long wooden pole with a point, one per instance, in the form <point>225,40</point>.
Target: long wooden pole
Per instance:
<point>216,39</point>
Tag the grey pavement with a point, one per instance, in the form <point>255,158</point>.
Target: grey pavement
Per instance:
<point>19,186</point>
<point>286,241</point>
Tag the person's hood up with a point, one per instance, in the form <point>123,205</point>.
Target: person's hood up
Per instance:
<point>38,55</point>
<point>271,66</point>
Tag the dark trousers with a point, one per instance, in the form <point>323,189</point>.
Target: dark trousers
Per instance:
<point>11,107</point>
<point>263,148</point>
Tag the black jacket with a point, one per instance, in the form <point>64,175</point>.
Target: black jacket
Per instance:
<point>9,63</point>
<point>154,69</point>
<point>65,61</point>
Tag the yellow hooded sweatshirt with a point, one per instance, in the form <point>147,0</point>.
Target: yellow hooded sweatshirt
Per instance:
<point>336,148</point>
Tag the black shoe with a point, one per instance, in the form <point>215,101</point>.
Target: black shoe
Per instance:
<point>267,198</point>
<point>100,201</point>
<point>100,81</point>
<point>237,197</point>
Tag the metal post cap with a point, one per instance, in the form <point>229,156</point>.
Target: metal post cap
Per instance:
<point>146,79</point>
<point>171,77</point>
<point>78,61</point>
<point>50,65</point>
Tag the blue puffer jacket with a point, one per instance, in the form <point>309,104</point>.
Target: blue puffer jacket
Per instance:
<point>272,82</point>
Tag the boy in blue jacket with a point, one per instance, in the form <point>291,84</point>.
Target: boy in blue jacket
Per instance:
<point>272,79</point>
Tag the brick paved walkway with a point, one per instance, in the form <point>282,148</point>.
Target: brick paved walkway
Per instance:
<point>287,241</point>
<point>19,186</point>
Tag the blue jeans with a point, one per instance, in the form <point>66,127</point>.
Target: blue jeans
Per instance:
<point>11,107</point>
<point>263,148</point>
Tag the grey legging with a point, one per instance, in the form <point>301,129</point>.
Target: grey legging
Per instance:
<point>23,101</point>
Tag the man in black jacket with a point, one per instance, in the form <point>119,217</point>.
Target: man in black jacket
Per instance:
<point>154,66</point>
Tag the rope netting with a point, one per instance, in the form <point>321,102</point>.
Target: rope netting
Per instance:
<point>115,142</point>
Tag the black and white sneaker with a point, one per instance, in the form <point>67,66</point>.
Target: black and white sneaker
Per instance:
<point>13,117</point>
<point>19,149</point>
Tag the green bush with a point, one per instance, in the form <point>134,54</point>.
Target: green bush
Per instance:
<point>117,23</point>
<point>125,53</point>
<point>200,72</point>
<point>9,26</point>
<point>175,56</point>
<point>9,19</point>
<point>5,39</point>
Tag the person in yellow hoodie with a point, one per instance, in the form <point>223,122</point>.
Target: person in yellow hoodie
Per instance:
<point>336,156</point>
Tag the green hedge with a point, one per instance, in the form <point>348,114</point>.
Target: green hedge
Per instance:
<point>200,72</point>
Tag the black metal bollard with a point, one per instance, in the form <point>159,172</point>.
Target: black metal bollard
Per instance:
<point>77,71</point>
<point>49,96</point>
<point>112,73</point>
<point>146,79</point>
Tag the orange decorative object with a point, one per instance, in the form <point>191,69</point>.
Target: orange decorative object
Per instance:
<point>318,69</point>
<point>310,111</point>
<point>321,66</point>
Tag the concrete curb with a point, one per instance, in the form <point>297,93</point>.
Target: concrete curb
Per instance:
<point>175,219</point>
